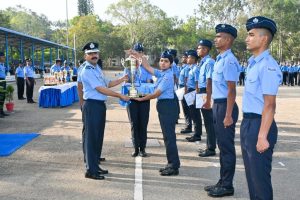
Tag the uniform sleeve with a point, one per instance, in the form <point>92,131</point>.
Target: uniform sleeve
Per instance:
<point>157,73</point>
<point>209,69</point>
<point>149,76</point>
<point>271,78</point>
<point>164,84</point>
<point>231,70</point>
<point>91,78</point>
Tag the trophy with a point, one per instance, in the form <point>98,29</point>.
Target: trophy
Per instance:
<point>130,63</point>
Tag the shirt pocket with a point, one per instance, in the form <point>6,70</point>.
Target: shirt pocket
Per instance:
<point>252,84</point>
<point>218,75</point>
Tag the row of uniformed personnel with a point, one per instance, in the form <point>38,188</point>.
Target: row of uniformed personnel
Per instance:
<point>258,128</point>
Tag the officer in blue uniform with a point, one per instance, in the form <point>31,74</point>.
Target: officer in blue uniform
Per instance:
<point>166,108</point>
<point>242,74</point>
<point>182,84</point>
<point>20,80</point>
<point>192,85</point>
<point>225,110</point>
<point>176,72</point>
<point>284,73</point>
<point>75,72</point>
<point>290,75</point>
<point>67,69</point>
<point>295,72</point>
<point>298,73</point>
<point>258,128</point>
<point>2,84</point>
<point>30,82</point>
<point>138,111</point>
<point>56,67</point>
<point>205,87</point>
<point>95,92</point>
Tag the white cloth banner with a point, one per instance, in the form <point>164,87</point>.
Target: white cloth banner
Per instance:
<point>62,87</point>
<point>190,98</point>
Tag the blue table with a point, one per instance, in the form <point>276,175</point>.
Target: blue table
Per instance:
<point>58,96</point>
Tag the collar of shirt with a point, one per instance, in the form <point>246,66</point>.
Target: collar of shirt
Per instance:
<point>252,60</point>
<point>204,59</point>
<point>224,54</point>
<point>89,64</point>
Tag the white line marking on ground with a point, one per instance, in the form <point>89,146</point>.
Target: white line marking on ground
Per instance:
<point>280,163</point>
<point>138,184</point>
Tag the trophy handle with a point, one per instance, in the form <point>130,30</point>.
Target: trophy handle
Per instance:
<point>123,62</point>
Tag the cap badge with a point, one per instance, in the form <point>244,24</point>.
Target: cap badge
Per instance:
<point>255,20</point>
<point>223,26</point>
<point>92,45</point>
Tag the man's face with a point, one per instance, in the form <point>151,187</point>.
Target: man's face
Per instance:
<point>220,40</point>
<point>28,63</point>
<point>2,59</point>
<point>183,59</point>
<point>92,57</point>
<point>191,60</point>
<point>202,51</point>
<point>254,40</point>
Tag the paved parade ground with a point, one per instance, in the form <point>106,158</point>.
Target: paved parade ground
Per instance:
<point>51,166</point>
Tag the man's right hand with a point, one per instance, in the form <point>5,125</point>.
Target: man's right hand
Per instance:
<point>124,97</point>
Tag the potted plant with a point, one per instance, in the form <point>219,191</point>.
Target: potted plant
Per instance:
<point>9,97</point>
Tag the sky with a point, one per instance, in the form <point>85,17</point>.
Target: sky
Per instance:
<point>54,12</point>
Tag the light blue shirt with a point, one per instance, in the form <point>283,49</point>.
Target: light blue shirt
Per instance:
<point>28,71</point>
<point>263,78</point>
<point>226,68</point>
<point>141,75</point>
<point>79,72</point>
<point>75,71</point>
<point>93,77</point>
<point>20,72</point>
<point>183,74</point>
<point>165,83</point>
<point>205,72</point>
<point>290,69</point>
<point>175,70</point>
<point>192,76</point>
<point>55,68</point>
<point>2,71</point>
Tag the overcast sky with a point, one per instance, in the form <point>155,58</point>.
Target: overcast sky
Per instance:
<point>56,9</point>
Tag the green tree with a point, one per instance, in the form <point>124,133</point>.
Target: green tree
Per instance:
<point>4,20</point>
<point>85,7</point>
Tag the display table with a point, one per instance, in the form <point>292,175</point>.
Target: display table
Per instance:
<point>58,95</point>
<point>142,89</point>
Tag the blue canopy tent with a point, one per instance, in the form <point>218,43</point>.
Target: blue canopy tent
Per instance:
<point>10,39</point>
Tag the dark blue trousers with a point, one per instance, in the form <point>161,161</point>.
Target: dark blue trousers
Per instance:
<point>258,166</point>
<point>167,114</point>
<point>196,118</point>
<point>209,125</point>
<point>186,113</point>
<point>138,114</point>
<point>225,141</point>
<point>94,112</point>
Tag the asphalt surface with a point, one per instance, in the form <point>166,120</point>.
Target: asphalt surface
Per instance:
<point>51,166</point>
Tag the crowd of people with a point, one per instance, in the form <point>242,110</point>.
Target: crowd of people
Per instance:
<point>291,73</point>
<point>199,74</point>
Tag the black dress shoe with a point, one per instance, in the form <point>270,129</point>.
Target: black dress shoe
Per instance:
<point>143,153</point>
<point>94,176</point>
<point>186,130</point>
<point>135,153</point>
<point>103,171</point>
<point>193,139</point>
<point>101,159</point>
<point>207,153</point>
<point>210,187</point>
<point>169,172</point>
<point>221,192</point>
